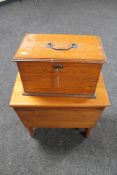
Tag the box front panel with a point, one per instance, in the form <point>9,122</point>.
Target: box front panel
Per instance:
<point>79,78</point>
<point>59,77</point>
<point>36,76</point>
<point>68,118</point>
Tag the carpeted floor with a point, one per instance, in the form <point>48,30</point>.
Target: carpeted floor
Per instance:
<point>57,151</point>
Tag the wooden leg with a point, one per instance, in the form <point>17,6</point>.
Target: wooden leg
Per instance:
<point>31,131</point>
<point>87,132</point>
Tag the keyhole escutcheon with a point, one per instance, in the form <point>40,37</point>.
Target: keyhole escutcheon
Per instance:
<point>57,68</point>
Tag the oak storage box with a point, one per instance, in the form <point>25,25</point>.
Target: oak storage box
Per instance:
<point>59,64</point>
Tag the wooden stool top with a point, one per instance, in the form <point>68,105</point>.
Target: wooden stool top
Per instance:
<point>19,100</point>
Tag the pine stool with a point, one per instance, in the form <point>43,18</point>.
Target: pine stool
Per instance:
<point>59,112</point>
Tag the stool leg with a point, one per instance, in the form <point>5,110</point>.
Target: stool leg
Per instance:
<point>87,132</point>
<point>31,131</point>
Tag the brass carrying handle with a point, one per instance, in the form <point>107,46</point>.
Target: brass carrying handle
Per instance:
<point>52,46</point>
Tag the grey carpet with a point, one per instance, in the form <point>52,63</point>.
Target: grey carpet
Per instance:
<point>57,151</point>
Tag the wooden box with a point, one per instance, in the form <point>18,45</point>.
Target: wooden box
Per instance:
<point>58,64</point>
<point>59,112</point>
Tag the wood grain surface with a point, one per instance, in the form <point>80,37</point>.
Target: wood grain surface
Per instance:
<point>72,78</point>
<point>34,46</point>
<point>19,100</point>
<point>59,118</point>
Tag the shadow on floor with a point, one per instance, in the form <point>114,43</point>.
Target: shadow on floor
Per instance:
<point>59,140</point>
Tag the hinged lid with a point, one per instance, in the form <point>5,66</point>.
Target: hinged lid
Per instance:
<point>60,47</point>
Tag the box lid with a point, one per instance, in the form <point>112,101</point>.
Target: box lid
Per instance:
<point>60,47</point>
